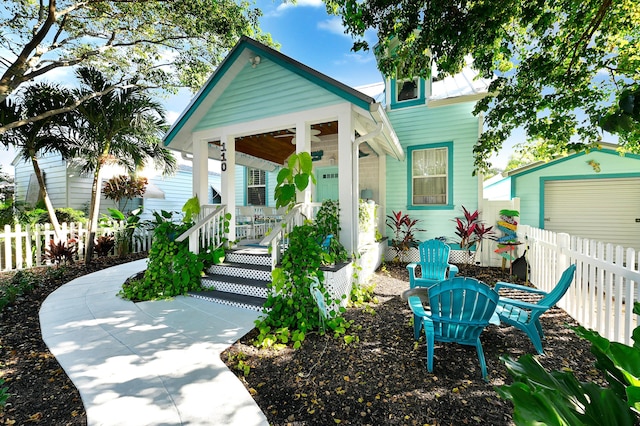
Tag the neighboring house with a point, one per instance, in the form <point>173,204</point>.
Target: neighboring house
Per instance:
<point>67,188</point>
<point>594,195</point>
<point>412,152</point>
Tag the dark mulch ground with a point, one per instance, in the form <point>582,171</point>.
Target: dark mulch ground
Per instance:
<point>40,391</point>
<point>382,378</point>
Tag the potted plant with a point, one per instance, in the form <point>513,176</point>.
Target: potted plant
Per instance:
<point>403,228</point>
<point>471,231</point>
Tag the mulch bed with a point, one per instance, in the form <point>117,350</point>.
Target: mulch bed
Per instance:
<point>382,377</point>
<point>379,379</point>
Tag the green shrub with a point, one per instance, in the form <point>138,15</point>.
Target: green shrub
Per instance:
<point>173,269</point>
<point>20,283</point>
<point>558,398</point>
<point>290,310</point>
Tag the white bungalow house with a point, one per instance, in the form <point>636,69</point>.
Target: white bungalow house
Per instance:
<point>412,152</point>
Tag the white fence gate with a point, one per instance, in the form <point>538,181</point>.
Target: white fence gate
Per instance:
<point>606,285</point>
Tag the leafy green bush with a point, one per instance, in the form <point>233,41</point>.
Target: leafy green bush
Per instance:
<point>327,222</point>
<point>64,214</point>
<point>20,283</point>
<point>558,398</point>
<point>290,310</point>
<point>172,270</point>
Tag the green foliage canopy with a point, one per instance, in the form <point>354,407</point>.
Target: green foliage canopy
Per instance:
<point>563,70</point>
<point>165,44</point>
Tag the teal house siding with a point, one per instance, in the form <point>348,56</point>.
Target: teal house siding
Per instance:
<point>529,184</point>
<point>453,126</point>
<point>265,91</point>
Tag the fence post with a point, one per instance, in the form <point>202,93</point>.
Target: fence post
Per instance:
<point>564,244</point>
<point>7,248</point>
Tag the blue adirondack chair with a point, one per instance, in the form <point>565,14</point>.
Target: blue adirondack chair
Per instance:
<point>460,308</point>
<point>318,296</point>
<point>525,315</point>
<point>434,264</point>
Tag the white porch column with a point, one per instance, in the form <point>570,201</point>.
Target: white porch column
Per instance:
<point>303,144</point>
<point>348,181</point>
<point>200,171</point>
<point>382,193</point>
<point>228,180</point>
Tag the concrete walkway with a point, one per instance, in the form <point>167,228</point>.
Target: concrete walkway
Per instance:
<point>150,363</point>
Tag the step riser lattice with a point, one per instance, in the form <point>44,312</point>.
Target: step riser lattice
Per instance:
<point>235,288</point>
<point>229,303</point>
<point>247,259</point>
<point>240,272</point>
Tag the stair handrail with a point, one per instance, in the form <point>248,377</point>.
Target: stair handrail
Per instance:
<point>275,237</point>
<point>206,229</point>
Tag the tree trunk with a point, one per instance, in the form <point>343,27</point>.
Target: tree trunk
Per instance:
<point>45,197</point>
<point>94,209</point>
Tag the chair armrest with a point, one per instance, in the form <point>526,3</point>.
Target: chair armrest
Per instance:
<point>416,307</point>
<point>520,304</point>
<point>421,292</point>
<point>453,271</point>
<point>411,267</point>
<point>501,284</point>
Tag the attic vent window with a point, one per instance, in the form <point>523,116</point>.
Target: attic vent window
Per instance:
<point>407,89</point>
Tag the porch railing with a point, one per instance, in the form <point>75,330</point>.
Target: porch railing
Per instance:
<point>208,231</point>
<point>276,241</point>
<point>607,279</point>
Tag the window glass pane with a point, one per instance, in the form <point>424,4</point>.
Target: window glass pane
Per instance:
<point>256,196</point>
<point>256,187</point>
<point>430,176</point>
<point>407,89</point>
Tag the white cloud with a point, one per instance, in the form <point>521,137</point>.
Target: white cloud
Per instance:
<point>359,57</point>
<point>333,25</point>
<point>299,3</point>
<point>172,116</point>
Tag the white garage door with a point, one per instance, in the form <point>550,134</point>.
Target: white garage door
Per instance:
<point>606,210</point>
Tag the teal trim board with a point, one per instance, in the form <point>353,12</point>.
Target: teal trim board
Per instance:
<point>546,179</point>
<point>450,181</point>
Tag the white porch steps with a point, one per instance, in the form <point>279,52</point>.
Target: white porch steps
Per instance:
<point>240,281</point>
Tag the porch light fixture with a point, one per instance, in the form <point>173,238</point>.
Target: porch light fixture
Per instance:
<point>255,61</point>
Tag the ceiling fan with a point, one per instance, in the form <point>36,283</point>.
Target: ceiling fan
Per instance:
<point>292,132</point>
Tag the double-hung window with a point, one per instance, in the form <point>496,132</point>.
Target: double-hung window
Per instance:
<point>256,187</point>
<point>430,176</point>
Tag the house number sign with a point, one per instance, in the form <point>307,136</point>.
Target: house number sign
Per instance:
<point>223,156</point>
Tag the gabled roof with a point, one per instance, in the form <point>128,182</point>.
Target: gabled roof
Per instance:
<point>605,148</point>
<point>347,93</point>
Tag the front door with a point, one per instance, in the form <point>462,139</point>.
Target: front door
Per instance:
<point>327,184</point>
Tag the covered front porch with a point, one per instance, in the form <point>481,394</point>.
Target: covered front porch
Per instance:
<point>258,109</point>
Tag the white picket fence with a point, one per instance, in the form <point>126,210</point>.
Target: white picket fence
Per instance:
<point>24,247</point>
<point>607,279</point>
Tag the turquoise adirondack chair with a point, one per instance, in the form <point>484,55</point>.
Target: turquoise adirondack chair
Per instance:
<point>318,296</point>
<point>525,315</point>
<point>434,264</point>
<point>459,309</point>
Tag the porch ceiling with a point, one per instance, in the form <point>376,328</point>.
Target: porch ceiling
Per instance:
<point>276,146</point>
